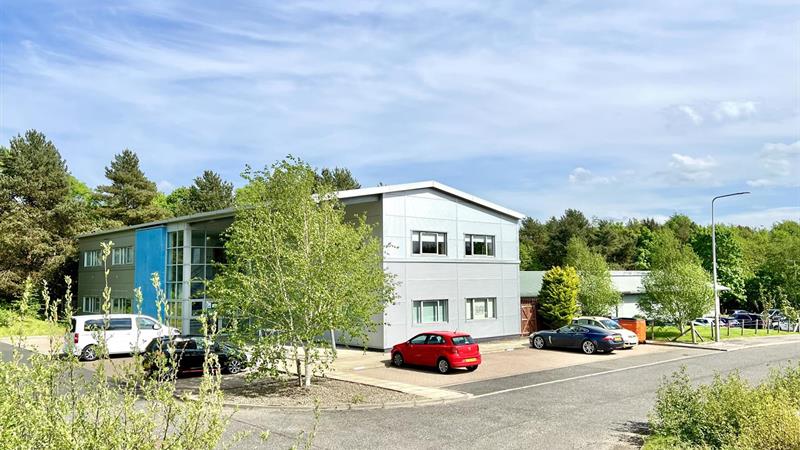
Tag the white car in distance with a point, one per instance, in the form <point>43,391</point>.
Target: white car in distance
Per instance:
<point>123,333</point>
<point>629,338</point>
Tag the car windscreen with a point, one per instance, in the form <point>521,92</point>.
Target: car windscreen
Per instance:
<point>610,324</point>
<point>463,340</point>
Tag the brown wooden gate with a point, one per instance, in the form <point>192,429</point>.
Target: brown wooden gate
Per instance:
<point>529,307</point>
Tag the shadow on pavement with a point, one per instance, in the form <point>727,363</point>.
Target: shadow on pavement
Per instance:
<point>633,433</point>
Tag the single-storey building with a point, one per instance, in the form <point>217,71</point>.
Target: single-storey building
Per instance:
<point>455,257</point>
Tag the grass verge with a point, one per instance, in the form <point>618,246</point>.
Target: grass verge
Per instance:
<point>32,327</point>
<point>667,333</point>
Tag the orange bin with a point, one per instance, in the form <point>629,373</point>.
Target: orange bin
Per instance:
<point>638,326</point>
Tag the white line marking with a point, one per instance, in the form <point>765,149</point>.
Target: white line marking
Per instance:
<point>588,375</point>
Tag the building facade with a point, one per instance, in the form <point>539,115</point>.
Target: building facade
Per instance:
<point>455,258</point>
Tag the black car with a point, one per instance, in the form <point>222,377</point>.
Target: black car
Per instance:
<point>748,320</point>
<point>190,354</point>
<point>588,338</point>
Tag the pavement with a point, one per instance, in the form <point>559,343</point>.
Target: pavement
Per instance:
<point>602,404</point>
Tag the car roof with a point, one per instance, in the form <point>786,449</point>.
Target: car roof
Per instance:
<point>598,318</point>
<point>445,333</point>
<point>110,316</point>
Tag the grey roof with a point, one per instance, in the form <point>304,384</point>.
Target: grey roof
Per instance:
<point>625,281</point>
<point>353,193</point>
<point>530,283</point>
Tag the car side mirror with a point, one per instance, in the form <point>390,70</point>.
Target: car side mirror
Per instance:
<point>156,327</point>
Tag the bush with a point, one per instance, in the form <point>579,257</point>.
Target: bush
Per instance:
<point>6,318</point>
<point>558,296</point>
<point>729,412</point>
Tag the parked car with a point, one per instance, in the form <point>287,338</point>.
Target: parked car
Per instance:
<point>441,349</point>
<point>190,354</point>
<point>740,311</point>
<point>748,320</point>
<point>122,333</point>
<point>630,339</point>
<point>588,338</point>
<point>728,321</point>
<point>703,322</point>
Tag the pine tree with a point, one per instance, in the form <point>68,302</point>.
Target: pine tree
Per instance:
<point>338,179</point>
<point>210,193</point>
<point>130,198</point>
<point>558,297</point>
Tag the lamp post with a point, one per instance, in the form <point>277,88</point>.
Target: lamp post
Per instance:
<point>714,261</point>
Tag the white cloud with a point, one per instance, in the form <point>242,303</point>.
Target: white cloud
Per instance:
<point>579,175</point>
<point>691,169</point>
<point>763,218</point>
<point>691,113</point>
<point>734,110</point>
<point>165,186</point>
<point>781,165</point>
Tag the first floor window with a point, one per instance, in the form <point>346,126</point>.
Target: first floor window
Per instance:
<point>121,306</point>
<point>428,243</point>
<point>91,304</point>
<point>122,255</point>
<point>91,258</point>
<point>478,245</point>
<point>481,308</point>
<point>430,311</point>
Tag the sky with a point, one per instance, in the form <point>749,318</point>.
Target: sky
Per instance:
<point>622,109</point>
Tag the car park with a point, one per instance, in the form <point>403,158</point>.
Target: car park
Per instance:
<point>588,338</point>
<point>630,339</point>
<point>444,350</point>
<point>121,333</point>
<point>186,354</point>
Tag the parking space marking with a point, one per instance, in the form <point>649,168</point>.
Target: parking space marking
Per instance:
<point>578,377</point>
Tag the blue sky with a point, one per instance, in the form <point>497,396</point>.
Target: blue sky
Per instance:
<point>620,109</point>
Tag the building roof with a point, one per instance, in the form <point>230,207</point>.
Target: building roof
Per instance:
<point>353,193</point>
<point>625,281</point>
<point>343,195</point>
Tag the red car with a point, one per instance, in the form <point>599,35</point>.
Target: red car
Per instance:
<point>441,349</point>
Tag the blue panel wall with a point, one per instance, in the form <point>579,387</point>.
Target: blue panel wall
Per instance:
<point>151,256</point>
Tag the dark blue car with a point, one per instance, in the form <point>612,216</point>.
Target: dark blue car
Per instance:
<point>585,337</point>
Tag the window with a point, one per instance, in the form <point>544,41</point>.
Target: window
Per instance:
<point>121,306</point>
<point>119,324</point>
<point>91,304</point>
<point>91,258</point>
<point>430,311</point>
<point>435,339</point>
<point>463,340</point>
<point>478,245</point>
<point>481,308</point>
<point>428,243</point>
<point>146,324</point>
<point>419,339</point>
<point>207,253</point>
<point>122,255</point>
<point>175,264</point>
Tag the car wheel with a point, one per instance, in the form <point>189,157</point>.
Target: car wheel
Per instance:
<point>443,365</point>
<point>538,342</point>
<point>588,347</point>
<point>471,368</point>
<point>89,353</point>
<point>234,366</point>
<point>397,360</point>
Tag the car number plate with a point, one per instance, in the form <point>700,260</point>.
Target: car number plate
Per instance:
<point>617,339</point>
<point>470,359</point>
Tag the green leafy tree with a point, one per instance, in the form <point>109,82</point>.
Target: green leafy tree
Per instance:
<point>338,179</point>
<point>177,202</point>
<point>38,215</point>
<point>558,297</point>
<point>615,241</point>
<point>572,224</point>
<point>677,289</point>
<point>730,266</point>
<point>644,248</point>
<point>295,265</point>
<point>131,197</point>
<point>533,239</point>
<point>210,193</point>
<point>782,260</point>
<point>682,227</point>
<point>596,295</point>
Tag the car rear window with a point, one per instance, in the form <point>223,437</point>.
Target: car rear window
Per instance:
<point>113,325</point>
<point>463,340</point>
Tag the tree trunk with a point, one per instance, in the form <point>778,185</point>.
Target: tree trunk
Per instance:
<point>299,372</point>
<point>306,367</point>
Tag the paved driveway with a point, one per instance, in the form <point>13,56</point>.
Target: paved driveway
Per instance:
<point>503,364</point>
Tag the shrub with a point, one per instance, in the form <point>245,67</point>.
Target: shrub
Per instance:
<point>558,297</point>
<point>6,318</point>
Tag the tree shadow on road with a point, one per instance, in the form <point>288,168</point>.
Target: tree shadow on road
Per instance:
<point>633,432</point>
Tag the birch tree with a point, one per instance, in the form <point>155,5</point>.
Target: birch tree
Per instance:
<point>297,269</point>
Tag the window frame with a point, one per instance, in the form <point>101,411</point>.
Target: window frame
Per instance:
<point>92,256</point>
<point>470,241</point>
<point>416,236</point>
<point>128,303</point>
<point>442,311</point>
<point>92,299</point>
<point>469,308</point>
<point>126,257</point>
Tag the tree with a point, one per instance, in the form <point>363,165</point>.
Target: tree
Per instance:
<point>338,179</point>
<point>596,294</point>
<point>210,193</point>
<point>131,196</point>
<point>533,238</point>
<point>38,215</point>
<point>558,297</point>
<point>295,265</point>
<point>682,227</point>
<point>177,202</point>
<point>730,267</point>
<point>572,224</point>
<point>615,242</point>
<point>677,289</point>
<point>782,260</point>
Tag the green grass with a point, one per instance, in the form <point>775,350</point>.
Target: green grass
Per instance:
<point>667,333</point>
<point>663,443</point>
<point>32,327</point>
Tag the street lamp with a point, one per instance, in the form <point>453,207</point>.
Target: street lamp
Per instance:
<point>714,261</point>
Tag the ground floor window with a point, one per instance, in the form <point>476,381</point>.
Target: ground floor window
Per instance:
<point>481,308</point>
<point>121,306</point>
<point>430,311</point>
<point>175,314</point>
<point>91,304</point>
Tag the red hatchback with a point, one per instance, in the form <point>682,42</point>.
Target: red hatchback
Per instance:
<point>441,349</point>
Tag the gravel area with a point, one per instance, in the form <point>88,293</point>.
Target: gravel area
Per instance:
<point>285,392</point>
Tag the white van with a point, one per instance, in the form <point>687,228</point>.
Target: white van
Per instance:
<point>124,333</point>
